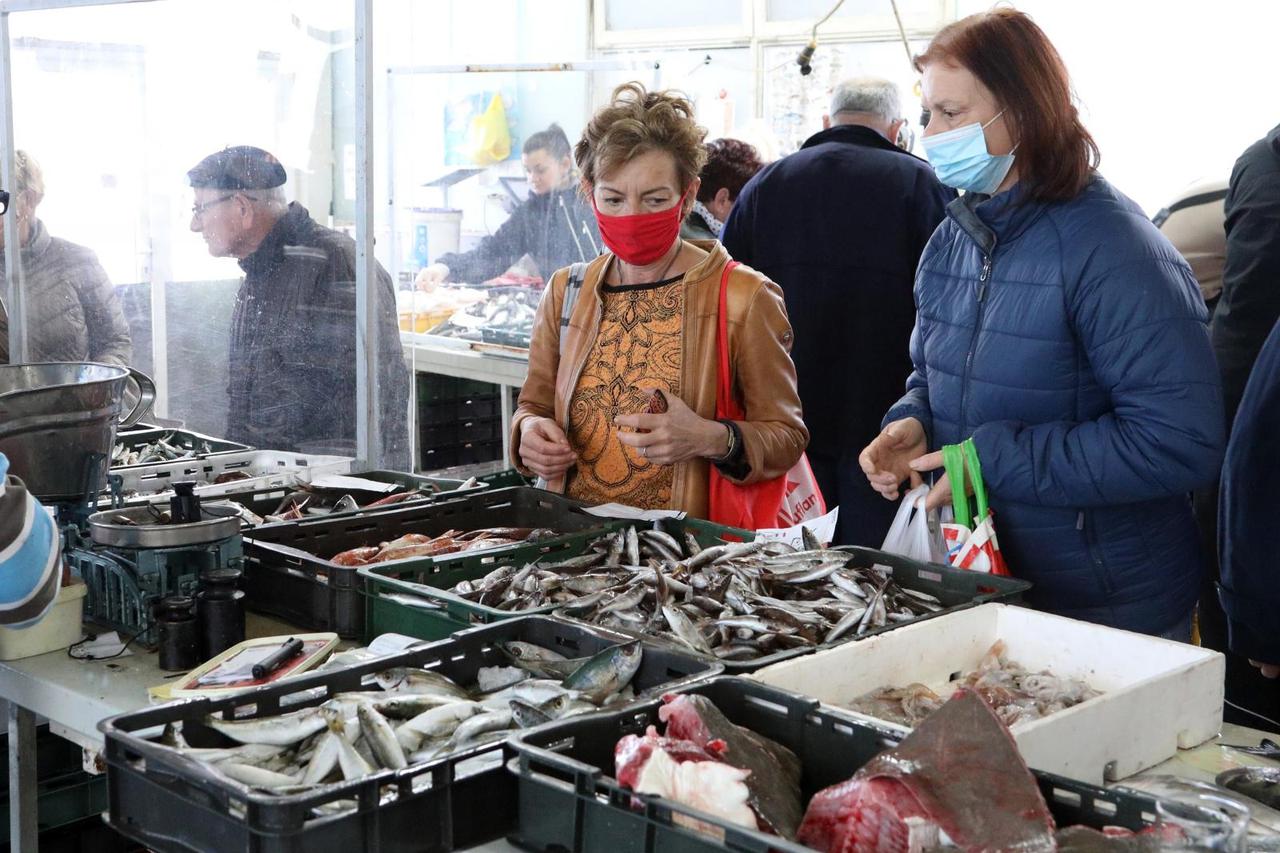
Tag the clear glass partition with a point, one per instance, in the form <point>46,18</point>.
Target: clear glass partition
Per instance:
<point>237,297</point>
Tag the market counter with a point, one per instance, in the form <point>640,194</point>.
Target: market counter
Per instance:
<point>73,695</point>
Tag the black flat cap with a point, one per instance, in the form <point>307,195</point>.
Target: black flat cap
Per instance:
<point>241,167</point>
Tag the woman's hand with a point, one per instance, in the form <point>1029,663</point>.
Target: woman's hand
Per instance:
<point>1269,670</point>
<point>886,460</point>
<point>674,436</point>
<point>429,278</point>
<point>544,448</point>
<point>940,494</point>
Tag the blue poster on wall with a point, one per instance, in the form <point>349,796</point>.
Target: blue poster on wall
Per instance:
<point>480,129</point>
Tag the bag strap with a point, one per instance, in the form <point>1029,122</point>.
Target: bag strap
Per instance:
<point>975,477</point>
<point>724,379</point>
<point>953,464</point>
<point>577,274</point>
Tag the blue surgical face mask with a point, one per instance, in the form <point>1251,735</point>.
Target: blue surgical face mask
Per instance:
<point>961,160</point>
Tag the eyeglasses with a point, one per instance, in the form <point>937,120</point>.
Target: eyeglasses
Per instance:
<point>198,210</point>
<point>4,202</point>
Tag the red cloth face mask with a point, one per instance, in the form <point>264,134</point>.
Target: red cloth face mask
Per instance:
<point>642,238</point>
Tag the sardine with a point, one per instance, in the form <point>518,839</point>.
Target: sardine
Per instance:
<point>606,672</point>
<point>281,730</point>
<point>481,724</point>
<point>380,737</point>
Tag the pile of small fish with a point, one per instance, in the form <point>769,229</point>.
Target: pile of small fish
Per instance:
<point>509,310</point>
<point>449,542</point>
<point>735,601</point>
<point>417,716</point>
<point>308,502</point>
<point>1016,694</point>
<point>160,450</point>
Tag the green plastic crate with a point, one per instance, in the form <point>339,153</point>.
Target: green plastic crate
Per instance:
<point>503,479</point>
<point>444,613</point>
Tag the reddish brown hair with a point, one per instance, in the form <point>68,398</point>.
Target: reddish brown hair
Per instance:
<point>730,164</point>
<point>1016,61</point>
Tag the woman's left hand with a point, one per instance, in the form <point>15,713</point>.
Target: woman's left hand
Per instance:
<point>677,435</point>
<point>940,494</point>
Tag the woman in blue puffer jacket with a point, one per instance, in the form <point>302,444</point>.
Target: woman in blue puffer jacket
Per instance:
<point>1059,329</point>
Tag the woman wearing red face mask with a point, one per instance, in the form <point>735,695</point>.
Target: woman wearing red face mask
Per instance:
<point>645,321</point>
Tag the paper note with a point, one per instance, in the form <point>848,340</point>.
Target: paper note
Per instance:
<point>823,528</point>
<point>613,510</point>
<point>340,483</point>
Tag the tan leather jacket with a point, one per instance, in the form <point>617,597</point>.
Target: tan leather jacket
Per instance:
<point>774,434</point>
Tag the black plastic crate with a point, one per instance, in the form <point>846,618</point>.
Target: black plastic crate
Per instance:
<point>263,500</point>
<point>480,429</point>
<point>288,572</point>
<point>434,387</point>
<point>437,458</point>
<point>438,413</point>
<point>169,802</point>
<point>438,436</point>
<point>957,589</point>
<point>475,452</point>
<point>569,800</point>
<point>180,439</point>
<point>442,612</point>
<point>478,408</point>
<point>64,792</point>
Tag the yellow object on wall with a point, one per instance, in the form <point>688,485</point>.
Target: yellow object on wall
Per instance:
<point>490,136</point>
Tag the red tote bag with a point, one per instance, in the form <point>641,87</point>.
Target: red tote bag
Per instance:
<point>781,502</point>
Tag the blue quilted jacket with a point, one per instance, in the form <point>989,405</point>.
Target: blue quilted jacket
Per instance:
<point>1070,340</point>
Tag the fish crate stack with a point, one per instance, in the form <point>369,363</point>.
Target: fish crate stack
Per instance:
<point>570,798</point>
<point>1174,689</point>
<point>224,474</point>
<point>290,574</point>
<point>459,422</point>
<point>164,797</point>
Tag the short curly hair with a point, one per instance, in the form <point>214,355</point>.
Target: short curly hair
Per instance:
<point>637,121</point>
<point>730,164</point>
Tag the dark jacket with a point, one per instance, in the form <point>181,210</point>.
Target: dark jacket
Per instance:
<point>1070,341</point>
<point>1250,302</point>
<point>72,310</point>
<point>293,346</point>
<point>1248,508</point>
<point>549,228</point>
<point>840,226</point>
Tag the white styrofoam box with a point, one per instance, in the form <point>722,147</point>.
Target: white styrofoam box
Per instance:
<point>265,468</point>
<point>59,628</point>
<point>1158,695</point>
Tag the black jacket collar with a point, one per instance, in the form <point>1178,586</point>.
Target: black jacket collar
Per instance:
<point>851,134</point>
<point>271,250</point>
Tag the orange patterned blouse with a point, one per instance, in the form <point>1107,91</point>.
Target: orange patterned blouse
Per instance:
<point>639,345</point>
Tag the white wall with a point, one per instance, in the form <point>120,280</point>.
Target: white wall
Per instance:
<point>1173,90</point>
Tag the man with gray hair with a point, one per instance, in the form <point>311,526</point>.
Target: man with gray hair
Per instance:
<point>292,358</point>
<point>840,226</point>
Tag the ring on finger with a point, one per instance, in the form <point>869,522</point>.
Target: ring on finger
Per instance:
<point>644,451</point>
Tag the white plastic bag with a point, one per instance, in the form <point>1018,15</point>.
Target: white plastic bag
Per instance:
<point>909,535</point>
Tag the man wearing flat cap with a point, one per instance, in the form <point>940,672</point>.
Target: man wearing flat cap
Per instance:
<point>293,330</point>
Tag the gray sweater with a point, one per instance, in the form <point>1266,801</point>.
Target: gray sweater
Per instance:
<point>72,310</point>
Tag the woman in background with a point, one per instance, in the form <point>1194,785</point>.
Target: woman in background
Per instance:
<point>71,306</point>
<point>554,225</point>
